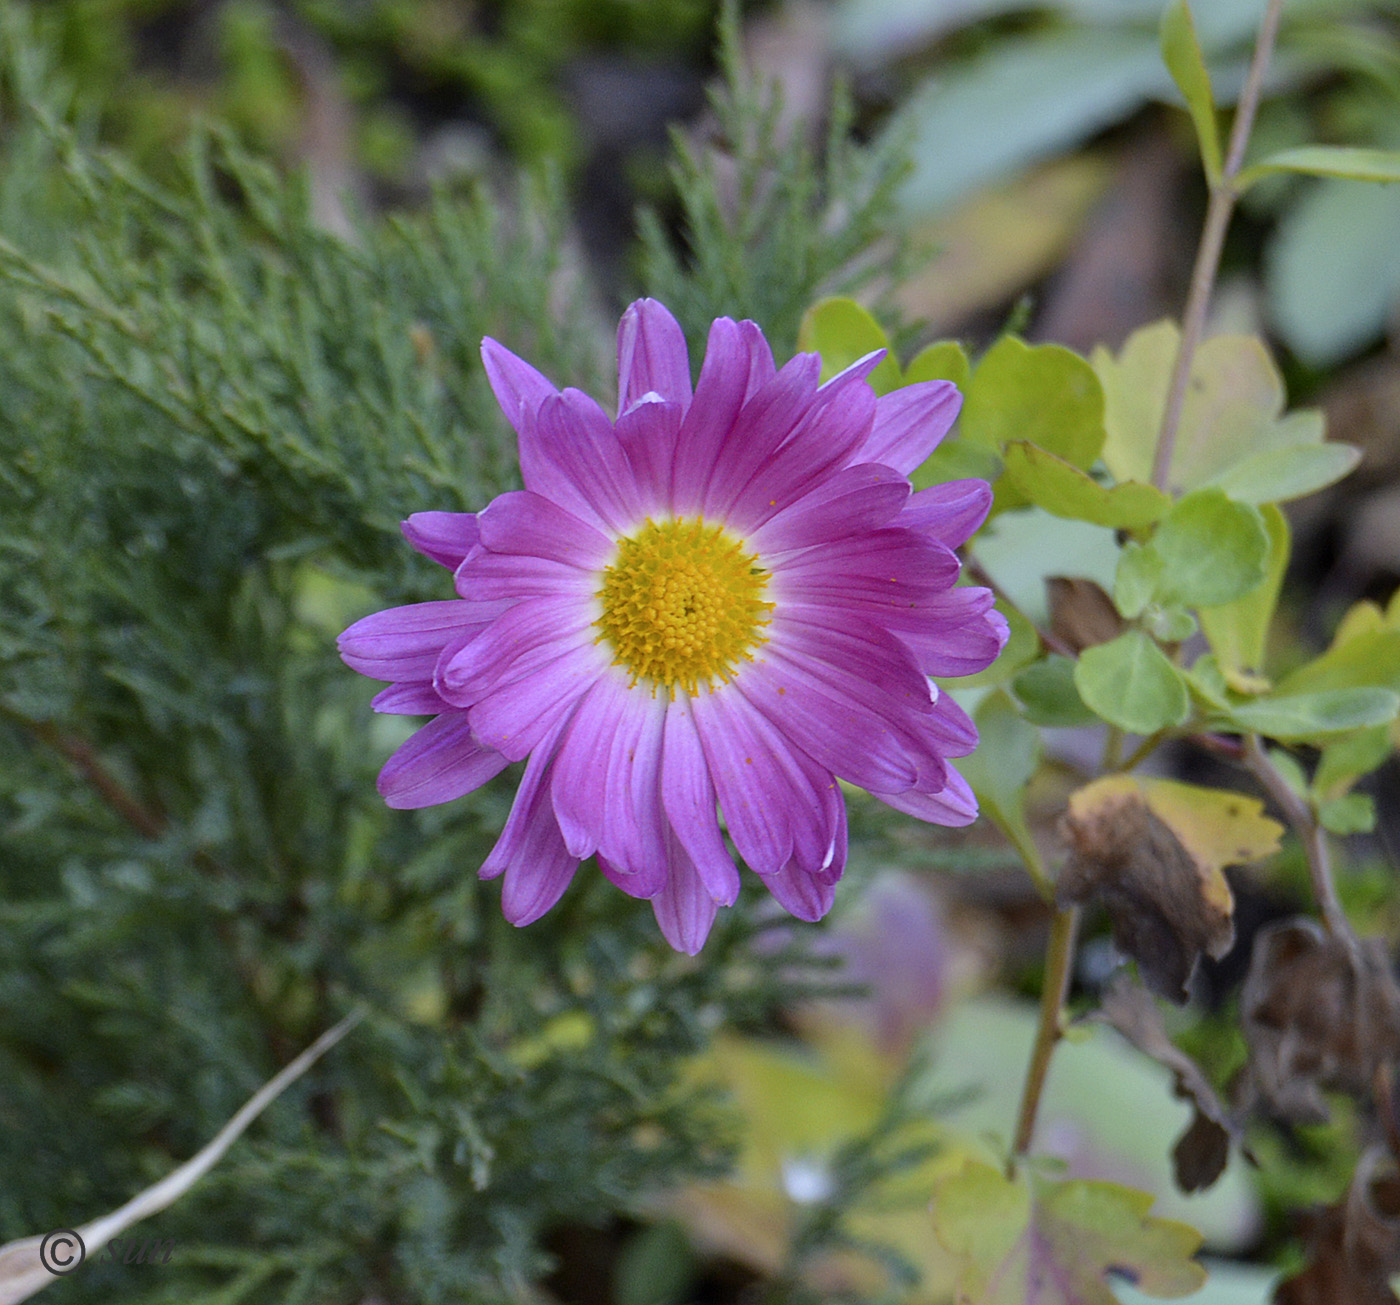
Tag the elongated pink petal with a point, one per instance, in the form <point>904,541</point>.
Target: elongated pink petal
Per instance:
<point>514,717</point>
<point>719,398</point>
<point>489,578</point>
<point>530,810</point>
<point>412,699</point>
<point>651,356</point>
<point>529,639</point>
<point>688,797</point>
<point>854,501</point>
<point>950,512</point>
<point>803,895</point>
<point>647,432</point>
<point>684,908</point>
<point>910,423</point>
<point>440,762</point>
<point>446,537</point>
<point>606,783</point>
<point>403,643</point>
<point>963,650</point>
<point>908,563</point>
<point>524,523</point>
<point>571,456</point>
<point>761,368</point>
<point>518,387</point>
<point>953,805</point>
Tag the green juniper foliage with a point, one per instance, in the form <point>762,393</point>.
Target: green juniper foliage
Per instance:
<point>214,417</point>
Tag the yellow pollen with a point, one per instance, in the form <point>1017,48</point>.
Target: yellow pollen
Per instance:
<point>683,605</point>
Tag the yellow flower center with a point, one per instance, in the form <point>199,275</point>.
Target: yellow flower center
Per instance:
<point>683,604</point>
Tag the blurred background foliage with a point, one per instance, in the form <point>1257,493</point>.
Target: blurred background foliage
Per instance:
<point>238,355</point>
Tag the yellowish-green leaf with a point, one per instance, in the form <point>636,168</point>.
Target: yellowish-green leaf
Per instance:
<point>1136,579</point>
<point>1353,813</point>
<point>1130,682</point>
<point>1063,489</point>
<point>1281,475</point>
<point>1347,161</point>
<point>1213,549</point>
<point>1306,717</point>
<point>1181,52</point>
<point>1042,393</point>
<point>1057,1242</point>
<point>1365,652</point>
<point>943,360</point>
<point>1350,757</point>
<point>1237,630</point>
<point>842,331</point>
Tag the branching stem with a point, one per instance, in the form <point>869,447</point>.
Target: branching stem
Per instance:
<point>1059,956</point>
<point>1218,211</point>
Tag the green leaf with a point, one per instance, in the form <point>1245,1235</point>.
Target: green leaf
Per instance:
<point>842,331</point>
<point>1355,813</point>
<point>1237,630</point>
<point>1281,475</point>
<point>1042,393</point>
<point>1008,752</point>
<point>943,360</point>
<point>1349,758</point>
<point>1136,580</point>
<point>1057,1242</point>
<point>1130,682</point>
<point>1368,659</point>
<point>1332,275</point>
<point>1307,716</point>
<point>1046,690</point>
<point>1213,549</point>
<point>1063,489</point>
<point>1347,161</point>
<point>1181,52</point>
<point>957,459</point>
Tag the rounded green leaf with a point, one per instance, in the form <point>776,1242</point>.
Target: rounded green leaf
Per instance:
<point>943,360</point>
<point>1061,488</point>
<point>1213,550</point>
<point>1137,579</point>
<point>1046,690</point>
<point>1130,683</point>
<point>843,331</point>
<point>1042,393</point>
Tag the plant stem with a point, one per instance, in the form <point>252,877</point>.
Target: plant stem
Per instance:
<point>1059,954</point>
<point>1218,210</point>
<point>1311,834</point>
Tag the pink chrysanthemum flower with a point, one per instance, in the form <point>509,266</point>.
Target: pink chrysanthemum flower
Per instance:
<point>727,598</point>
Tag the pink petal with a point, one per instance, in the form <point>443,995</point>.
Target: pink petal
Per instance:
<point>530,809</point>
<point>953,805</point>
<point>647,432</point>
<point>761,368</point>
<point>910,423</point>
<point>719,398</point>
<point>514,717</point>
<point>519,388</point>
<point>446,537</point>
<point>855,500</point>
<point>412,699</point>
<point>442,761</point>
<point>805,896</point>
<point>963,650</point>
<point>887,560</point>
<point>523,523</point>
<point>570,455</point>
<point>949,513</point>
<point>684,908</point>
<point>651,356</point>
<point>688,797</point>
<point>488,578</point>
<point>605,788</point>
<point>403,643</point>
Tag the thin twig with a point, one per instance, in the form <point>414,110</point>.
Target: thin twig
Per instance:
<point>1218,210</point>
<point>1059,955</point>
<point>1300,816</point>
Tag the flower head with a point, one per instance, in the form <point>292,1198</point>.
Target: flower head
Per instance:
<point>722,602</point>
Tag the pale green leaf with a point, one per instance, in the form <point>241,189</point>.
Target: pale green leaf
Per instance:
<point>1131,683</point>
<point>1136,580</point>
<point>1008,751</point>
<point>1308,716</point>
<point>943,360</point>
<point>1368,659</point>
<point>1063,489</point>
<point>1237,631</point>
<point>1213,549</point>
<point>1281,475</point>
<point>842,331</point>
<point>1181,52</point>
<point>1345,161</point>
<point>1042,393</point>
<point>1350,757</point>
<point>1046,690</point>
<point>1353,813</point>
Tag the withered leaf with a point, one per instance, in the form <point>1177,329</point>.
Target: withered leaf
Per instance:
<point>1353,1246</point>
<point>1081,612</point>
<point>1201,1153</point>
<point>1317,1013</point>
<point>1153,851</point>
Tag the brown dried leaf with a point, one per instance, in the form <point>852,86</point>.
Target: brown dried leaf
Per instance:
<point>1201,1153</point>
<point>1081,613</point>
<point>1353,1246</point>
<point>1316,1015</point>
